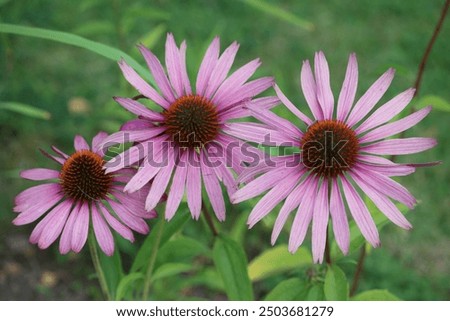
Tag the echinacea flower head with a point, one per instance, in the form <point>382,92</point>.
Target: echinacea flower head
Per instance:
<point>79,195</point>
<point>190,127</point>
<point>342,151</point>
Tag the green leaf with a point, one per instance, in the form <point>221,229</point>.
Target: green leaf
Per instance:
<point>231,263</point>
<point>279,13</point>
<point>181,249</point>
<point>375,295</point>
<point>74,40</point>
<point>288,290</point>
<point>112,268</point>
<point>315,293</point>
<point>336,285</point>
<point>24,109</point>
<point>276,260</point>
<point>170,269</point>
<point>126,283</point>
<point>170,228</point>
<point>438,103</point>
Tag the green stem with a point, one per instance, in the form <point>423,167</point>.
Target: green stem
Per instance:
<point>151,263</point>
<point>358,271</point>
<point>97,265</point>
<point>209,220</point>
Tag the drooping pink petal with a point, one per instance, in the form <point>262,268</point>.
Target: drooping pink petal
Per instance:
<point>158,73</point>
<point>32,211</point>
<point>365,104</point>
<point>33,195</point>
<point>348,91</point>
<point>80,143</point>
<point>177,188</point>
<point>80,228</point>
<point>173,65</point>
<point>386,112</point>
<point>303,216</point>
<point>134,204</point>
<point>102,232</point>
<point>360,214</point>
<point>278,193</point>
<point>141,85</point>
<point>388,170</point>
<point>221,69</point>
<point>320,223</point>
<point>123,230</point>
<point>207,66</point>
<point>292,201</point>
<point>324,93</point>
<point>65,242</point>
<point>383,203</point>
<point>258,133</point>
<point>138,109</point>
<point>291,106</point>
<point>194,185</point>
<point>339,218</point>
<point>309,88</point>
<point>212,188</point>
<point>395,127</point>
<point>134,222</point>
<point>39,174</point>
<point>53,224</point>
<point>400,146</point>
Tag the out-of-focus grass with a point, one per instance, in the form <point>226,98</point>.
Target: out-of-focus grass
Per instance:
<point>76,87</point>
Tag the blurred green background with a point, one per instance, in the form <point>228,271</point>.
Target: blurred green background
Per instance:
<point>75,87</point>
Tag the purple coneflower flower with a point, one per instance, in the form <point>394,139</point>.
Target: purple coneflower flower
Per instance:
<point>189,130</point>
<point>341,148</point>
<point>78,193</point>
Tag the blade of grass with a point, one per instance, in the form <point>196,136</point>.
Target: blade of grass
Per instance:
<point>24,109</point>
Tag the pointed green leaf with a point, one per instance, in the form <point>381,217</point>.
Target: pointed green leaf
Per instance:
<point>112,269</point>
<point>25,109</point>
<point>74,40</point>
<point>438,103</point>
<point>126,283</point>
<point>231,263</point>
<point>277,260</point>
<point>181,249</point>
<point>288,290</point>
<point>375,295</point>
<point>170,228</point>
<point>336,284</point>
<point>170,269</point>
<point>315,293</point>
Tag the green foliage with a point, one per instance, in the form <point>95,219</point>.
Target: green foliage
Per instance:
<point>336,285</point>
<point>277,260</point>
<point>438,103</point>
<point>25,110</point>
<point>289,290</point>
<point>112,268</point>
<point>375,295</point>
<point>231,263</point>
<point>127,283</point>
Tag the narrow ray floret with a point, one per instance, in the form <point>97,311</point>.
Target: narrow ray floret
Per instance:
<point>186,139</point>
<point>81,194</point>
<point>341,151</point>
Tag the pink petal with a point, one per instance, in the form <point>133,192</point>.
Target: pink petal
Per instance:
<point>292,201</point>
<point>65,242</point>
<point>395,127</point>
<point>136,124</point>
<point>194,185</point>
<point>213,188</point>
<point>324,93</point>
<point>291,106</point>
<point>133,136</point>
<point>303,216</point>
<point>80,228</point>
<point>102,232</point>
<point>320,223</point>
<point>138,109</point>
<point>348,91</point>
<point>339,218</point>
<point>60,153</point>
<point>177,188</point>
<point>386,112</point>
<point>158,73</point>
<point>361,214</point>
<point>221,69</point>
<point>134,222</point>
<point>388,170</point>
<point>39,174</point>
<point>123,230</point>
<point>273,198</point>
<point>97,146</point>
<point>80,143</point>
<point>143,87</point>
<point>33,195</point>
<point>309,89</point>
<point>54,223</point>
<point>184,76</point>
<point>370,98</point>
<point>258,133</point>
<point>208,64</point>
<point>400,146</point>
<point>173,65</point>
<point>32,212</point>
<point>383,203</point>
